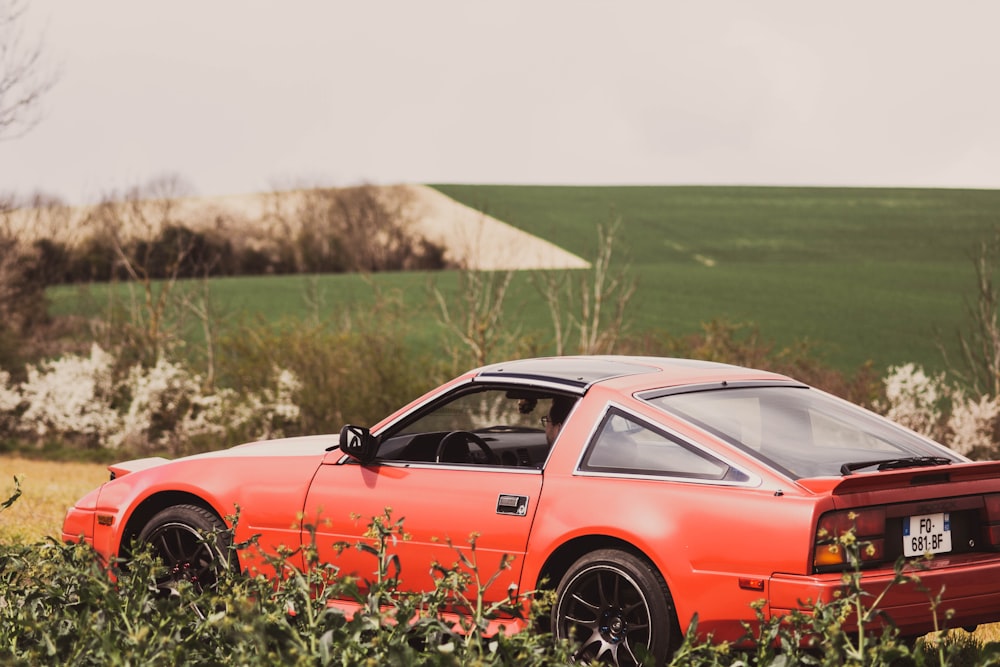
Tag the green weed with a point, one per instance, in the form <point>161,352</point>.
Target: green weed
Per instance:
<point>60,605</point>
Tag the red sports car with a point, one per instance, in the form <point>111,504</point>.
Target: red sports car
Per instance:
<point>644,490</point>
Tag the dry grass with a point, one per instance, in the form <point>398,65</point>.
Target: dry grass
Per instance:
<point>989,632</point>
<point>48,490</point>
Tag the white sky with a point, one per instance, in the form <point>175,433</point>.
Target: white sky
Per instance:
<point>242,96</point>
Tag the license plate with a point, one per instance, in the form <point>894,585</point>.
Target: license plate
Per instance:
<point>927,534</point>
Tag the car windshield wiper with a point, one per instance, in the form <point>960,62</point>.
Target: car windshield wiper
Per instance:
<point>894,464</point>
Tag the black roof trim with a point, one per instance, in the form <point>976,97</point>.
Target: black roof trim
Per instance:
<point>577,372</point>
<point>713,386</point>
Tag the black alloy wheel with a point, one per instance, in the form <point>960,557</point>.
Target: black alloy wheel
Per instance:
<point>616,607</point>
<point>191,543</point>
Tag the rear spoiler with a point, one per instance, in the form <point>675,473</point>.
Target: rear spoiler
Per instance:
<point>907,478</point>
<point>125,467</point>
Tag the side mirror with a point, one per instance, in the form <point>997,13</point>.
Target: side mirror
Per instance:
<point>358,443</point>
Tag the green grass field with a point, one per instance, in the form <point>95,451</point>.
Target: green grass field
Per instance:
<point>863,274</point>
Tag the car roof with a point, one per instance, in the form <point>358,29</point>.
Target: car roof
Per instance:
<point>579,372</point>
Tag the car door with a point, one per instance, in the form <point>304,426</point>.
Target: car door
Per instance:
<point>445,503</point>
<point>442,508</point>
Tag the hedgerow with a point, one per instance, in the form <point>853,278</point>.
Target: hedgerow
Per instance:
<point>304,378</point>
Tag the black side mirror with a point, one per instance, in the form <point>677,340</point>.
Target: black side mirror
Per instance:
<point>358,443</point>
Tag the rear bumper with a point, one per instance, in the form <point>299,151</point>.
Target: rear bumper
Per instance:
<point>968,586</point>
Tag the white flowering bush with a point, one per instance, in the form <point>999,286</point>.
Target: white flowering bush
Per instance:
<point>269,412</point>
<point>163,407</point>
<point>916,400</point>
<point>71,395</point>
<point>253,416</point>
<point>972,426</point>
<point>931,406</point>
<point>10,400</point>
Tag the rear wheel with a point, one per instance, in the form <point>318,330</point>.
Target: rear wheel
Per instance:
<point>191,543</point>
<point>617,609</point>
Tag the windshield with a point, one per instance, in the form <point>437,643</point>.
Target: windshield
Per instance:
<point>799,431</point>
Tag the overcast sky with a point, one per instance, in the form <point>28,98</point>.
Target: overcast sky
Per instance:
<point>236,97</point>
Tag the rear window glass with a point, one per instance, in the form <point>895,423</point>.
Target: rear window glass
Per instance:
<point>799,431</point>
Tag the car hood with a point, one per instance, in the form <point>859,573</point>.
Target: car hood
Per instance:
<point>313,445</point>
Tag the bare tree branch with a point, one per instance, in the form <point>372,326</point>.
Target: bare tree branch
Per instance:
<point>198,301</point>
<point>478,322</point>
<point>131,226</point>
<point>23,79</point>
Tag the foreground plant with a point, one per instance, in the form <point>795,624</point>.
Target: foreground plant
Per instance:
<point>14,496</point>
<point>58,605</point>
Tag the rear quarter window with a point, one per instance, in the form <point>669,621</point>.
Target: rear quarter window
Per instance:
<point>625,444</point>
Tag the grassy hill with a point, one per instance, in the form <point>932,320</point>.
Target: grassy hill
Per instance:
<point>862,273</point>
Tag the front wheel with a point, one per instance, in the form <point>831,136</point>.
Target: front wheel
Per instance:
<point>617,609</point>
<point>191,543</point>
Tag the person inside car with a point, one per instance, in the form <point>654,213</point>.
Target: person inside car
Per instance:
<point>558,411</point>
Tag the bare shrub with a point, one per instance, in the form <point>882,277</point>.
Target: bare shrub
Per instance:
<point>594,307</point>
<point>474,317</point>
<point>978,367</point>
<point>589,304</point>
<point>130,226</point>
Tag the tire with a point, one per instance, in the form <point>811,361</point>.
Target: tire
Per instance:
<point>617,608</point>
<point>191,543</point>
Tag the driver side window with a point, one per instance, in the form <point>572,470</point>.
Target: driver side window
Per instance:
<point>482,426</point>
<point>471,412</point>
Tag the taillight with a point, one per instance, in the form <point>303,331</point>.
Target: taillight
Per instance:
<point>992,504</point>
<point>839,534</point>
